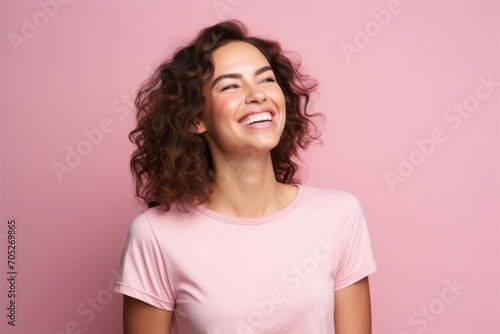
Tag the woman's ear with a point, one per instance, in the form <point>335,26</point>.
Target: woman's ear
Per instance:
<point>200,126</point>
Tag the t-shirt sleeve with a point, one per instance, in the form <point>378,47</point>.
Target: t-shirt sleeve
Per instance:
<point>356,256</point>
<point>143,273</point>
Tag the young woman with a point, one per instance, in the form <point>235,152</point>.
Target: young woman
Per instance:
<point>231,242</point>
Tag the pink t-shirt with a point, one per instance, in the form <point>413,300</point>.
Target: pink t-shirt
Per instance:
<point>227,275</point>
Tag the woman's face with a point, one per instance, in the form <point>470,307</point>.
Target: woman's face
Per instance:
<point>244,105</point>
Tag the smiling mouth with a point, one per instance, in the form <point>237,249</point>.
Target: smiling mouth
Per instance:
<point>263,117</point>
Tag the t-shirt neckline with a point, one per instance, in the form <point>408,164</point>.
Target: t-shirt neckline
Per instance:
<point>253,221</point>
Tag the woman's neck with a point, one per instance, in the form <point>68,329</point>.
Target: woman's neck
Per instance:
<point>248,189</point>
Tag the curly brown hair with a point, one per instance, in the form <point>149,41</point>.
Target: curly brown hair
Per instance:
<point>172,163</point>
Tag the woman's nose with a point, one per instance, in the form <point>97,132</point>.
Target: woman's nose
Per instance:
<point>255,95</point>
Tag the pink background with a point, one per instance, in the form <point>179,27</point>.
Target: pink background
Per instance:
<point>439,227</point>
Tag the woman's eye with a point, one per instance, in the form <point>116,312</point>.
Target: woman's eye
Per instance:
<point>269,80</point>
<point>229,87</point>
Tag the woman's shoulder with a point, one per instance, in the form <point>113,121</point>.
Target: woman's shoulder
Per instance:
<point>332,196</point>
<point>153,217</point>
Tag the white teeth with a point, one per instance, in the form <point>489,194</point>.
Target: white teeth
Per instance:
<point>265,116</point>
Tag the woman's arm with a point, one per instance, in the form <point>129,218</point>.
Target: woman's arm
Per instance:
<point>352,309</point>
<point>142,318</point>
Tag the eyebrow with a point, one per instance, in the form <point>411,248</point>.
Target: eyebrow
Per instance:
<point>239,76</point>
